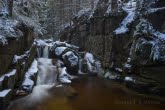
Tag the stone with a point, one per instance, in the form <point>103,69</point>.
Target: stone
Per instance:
<point>140,84</point>
<point>5,97</point>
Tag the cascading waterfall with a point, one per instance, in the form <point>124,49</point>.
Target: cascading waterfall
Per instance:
<point>46,80</point>
<point>47,72</point>
<point>43,51</point>
<point>39,51</point>
<point>46,52</point>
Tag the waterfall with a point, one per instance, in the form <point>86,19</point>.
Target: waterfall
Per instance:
<point>46,52</point>
<point>43,51</point>
<point>46,81</point>
<point>39,52</point>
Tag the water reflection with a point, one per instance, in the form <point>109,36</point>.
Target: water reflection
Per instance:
<point>93,94</point>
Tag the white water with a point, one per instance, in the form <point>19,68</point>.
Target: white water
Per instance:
<point>47,72</point>
<point>43,51</point>
<point>46,52</point>
<point>46,80</point>
<point>38,52</point>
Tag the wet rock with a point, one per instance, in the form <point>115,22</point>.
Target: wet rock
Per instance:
<point>140,84</point>
<point>71,61</point>
<point>155,73</point>
<point>114,75</point>
<point>142,42</point>
<point>141,52</point>
<point>22,44</point>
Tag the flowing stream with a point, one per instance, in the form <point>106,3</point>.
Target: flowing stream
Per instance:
<point>46,52</point>
<point>93,93</point>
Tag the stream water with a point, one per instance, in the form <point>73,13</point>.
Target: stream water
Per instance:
<point>93,93</point>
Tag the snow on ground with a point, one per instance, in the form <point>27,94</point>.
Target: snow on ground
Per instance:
<point>73,59</point>
<point>40,42</point>
<point>28,83</point>
<point>8,28</point>
<point>94,8</point>
<point>128,7</point>
<point>125,23</point>
<point>16,57</point>
<point>89,57</point>
<point>51,43</point>
<point>119,69</point>
<point>59,50</point>
<point>83,11</point>
<point>3,40</point>
<point>11,73</point>
<point>59,43</point>
<point>4,92</point>
<point>109,9</point>
<point>153,10</point>
<point>128,79</point>
<point>147,27</point>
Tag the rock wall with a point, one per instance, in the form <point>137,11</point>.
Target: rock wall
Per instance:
<point>17,50</point>
<point>129,42</point>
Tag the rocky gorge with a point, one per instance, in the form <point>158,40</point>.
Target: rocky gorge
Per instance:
<point>126,36</point>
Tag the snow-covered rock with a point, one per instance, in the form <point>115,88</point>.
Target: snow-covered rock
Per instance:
<point>128,79</point>
<point>28,83</point>
<point>71,57</point>
<point>128,7</point>
<point>89,57</point>
<point>59,50</point>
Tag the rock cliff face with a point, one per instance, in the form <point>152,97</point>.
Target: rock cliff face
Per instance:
<point>16,48</point>
<point>127,37</point>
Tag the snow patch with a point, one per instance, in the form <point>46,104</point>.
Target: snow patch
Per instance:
<point>118,69</point>
<point>109,9</point>
<point>125,23</point>
<point>130,9</point>
<point>40,42</point>
<point>3,40</point>
<point>16,57</point>
<point>89,57</point>
<point>4,92</point>
<point>82,12</point>
<point>94,8</point>
<point>73,59</point>
<point>130,6</point>
<point>59,50</point>
<point>154,10</point>
<point>13,72</point>
<point>146,27</point>
<point>28,83</point>
<point>128,79</point>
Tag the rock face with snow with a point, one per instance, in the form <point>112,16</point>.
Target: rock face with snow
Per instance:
<point>128,36</point>
<point>16,47</point>
<point>66,53</point>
